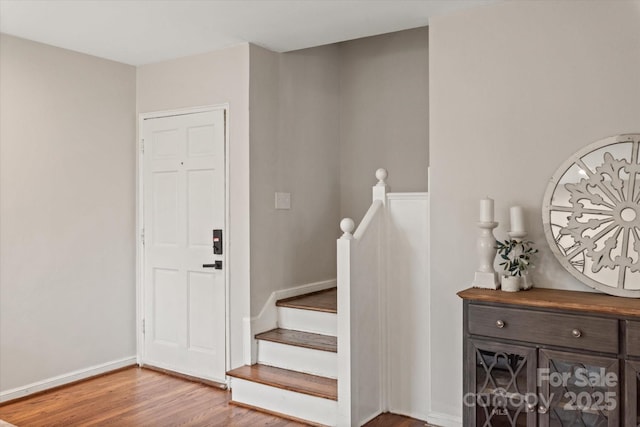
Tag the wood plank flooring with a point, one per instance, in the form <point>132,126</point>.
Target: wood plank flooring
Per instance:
<point>143,398</point>
<point>386,420</point>
<point>301,339</point>
<point>326,301</point>
<point>135,397</point>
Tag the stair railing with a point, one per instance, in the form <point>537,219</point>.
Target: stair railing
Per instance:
<point>361,273</point>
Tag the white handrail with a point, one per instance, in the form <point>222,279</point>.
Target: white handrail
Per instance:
<point>364,224</point>
<point>347,225</point>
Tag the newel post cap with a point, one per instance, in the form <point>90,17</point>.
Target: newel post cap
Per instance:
<point>347,226</point>
<point>381,174</point>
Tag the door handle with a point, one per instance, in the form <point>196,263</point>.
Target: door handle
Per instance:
<point>216,265</point>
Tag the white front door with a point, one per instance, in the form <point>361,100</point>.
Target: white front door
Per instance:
<point>184,201</point>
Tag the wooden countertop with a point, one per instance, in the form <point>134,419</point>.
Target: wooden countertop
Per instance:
<point>558,299</point>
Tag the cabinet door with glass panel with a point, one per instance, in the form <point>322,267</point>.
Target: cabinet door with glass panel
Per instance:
<point>632,393</point>
<point>578,390</point>
<point>501,385</point>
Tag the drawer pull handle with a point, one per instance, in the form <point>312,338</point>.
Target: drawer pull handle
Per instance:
<point>543,409</point>
<point>531,407</point>
<point>500,324</point>
<point>576,333</point>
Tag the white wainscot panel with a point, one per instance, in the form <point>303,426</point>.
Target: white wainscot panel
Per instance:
<point>408,303</point>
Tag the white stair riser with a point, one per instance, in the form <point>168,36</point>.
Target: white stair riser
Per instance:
<point>318,322</point>
<point>303,406</point>
<point>307,360</point>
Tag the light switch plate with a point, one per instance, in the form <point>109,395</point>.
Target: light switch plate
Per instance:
<point>283,200</point>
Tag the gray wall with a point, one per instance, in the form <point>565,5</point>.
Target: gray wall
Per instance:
<point>322,121</point>
<point>516,88</point>
<point>319,117</point>
<point>384,115</point>
<point>294,127</point>
<point>215,78</point>
<point>67,209</point>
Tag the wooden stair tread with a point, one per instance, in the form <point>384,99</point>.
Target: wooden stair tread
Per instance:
<point>312,385</point>
<point>325,300</point>
<point>301,339</point>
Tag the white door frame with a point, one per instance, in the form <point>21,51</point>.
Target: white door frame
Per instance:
<point>140,224</point>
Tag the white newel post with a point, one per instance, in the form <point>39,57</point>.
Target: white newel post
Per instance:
<point>380,189</point>
<point>347,225</point>
<point>343,275</point>
<point>349,405</point>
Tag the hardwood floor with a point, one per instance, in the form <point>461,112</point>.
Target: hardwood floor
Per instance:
<point>135,397</point>
<point>394,420</point>
<point>141,397</point>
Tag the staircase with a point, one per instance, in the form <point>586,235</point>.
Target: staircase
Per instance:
<point>296,374</point>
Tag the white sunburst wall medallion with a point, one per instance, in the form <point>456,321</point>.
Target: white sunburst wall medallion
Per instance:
<point>591,215</point>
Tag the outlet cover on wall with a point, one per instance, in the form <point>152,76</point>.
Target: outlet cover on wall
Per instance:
<point>283,200</point>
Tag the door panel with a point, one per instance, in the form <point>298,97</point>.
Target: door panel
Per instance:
<point>501,389</point>
<point>201,141</point>
<point>165,208</point>
<point>165,293</point>
<point>201,311</point>
<point>632,393</point>
<point>183,186</point>
<point>580,390</point>
<point>201,208</point>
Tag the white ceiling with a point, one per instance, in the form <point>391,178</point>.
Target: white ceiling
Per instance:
<point>144,31</point>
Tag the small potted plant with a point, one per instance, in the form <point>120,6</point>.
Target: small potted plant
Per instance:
<point>516,260</point>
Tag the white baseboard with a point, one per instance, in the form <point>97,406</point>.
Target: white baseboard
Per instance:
<point>70,377</point>
<point>268,317</point>
<point>444,420</point>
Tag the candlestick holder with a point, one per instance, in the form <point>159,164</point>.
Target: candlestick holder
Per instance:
<point>519,236</point>
<point>486,276</point>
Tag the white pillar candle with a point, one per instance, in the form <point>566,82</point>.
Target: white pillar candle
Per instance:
<point>486,210</point>
<point>517,218</point>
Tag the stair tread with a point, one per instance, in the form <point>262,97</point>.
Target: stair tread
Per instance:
<point>313,385</point>
<point>326,301</point>
<point>301,339</point>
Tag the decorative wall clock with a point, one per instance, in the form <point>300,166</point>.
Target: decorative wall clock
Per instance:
<point>591,215</point>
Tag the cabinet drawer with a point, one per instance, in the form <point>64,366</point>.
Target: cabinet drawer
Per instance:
<point>633,338</point>
<point>566,330</point>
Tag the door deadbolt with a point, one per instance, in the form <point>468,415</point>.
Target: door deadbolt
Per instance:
<point>217,242</point>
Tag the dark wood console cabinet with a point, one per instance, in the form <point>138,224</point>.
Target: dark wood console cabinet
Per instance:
<point>550,358</point>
